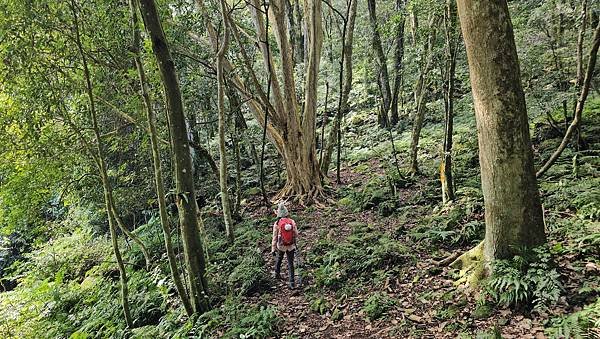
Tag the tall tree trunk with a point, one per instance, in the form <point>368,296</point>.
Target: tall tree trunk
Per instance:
<point>158,177</point>
<point>420,94</point>
<point>513,212</point>
<point>398,56</point>
<point>334,138</point>
<point>295,32</point>
<point>580,39</point>
<point>299,49</point>
<point>292,133</point>
<point>383,79</point>
<point>450,67</point>
<point>101,163</point>
<point>225,200</point>
<point>580,103</point>
<point>184,176</point>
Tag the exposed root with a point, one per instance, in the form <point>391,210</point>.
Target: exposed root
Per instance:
<point>314,196</point>
<point>471,266</point>
<point>446,261</point>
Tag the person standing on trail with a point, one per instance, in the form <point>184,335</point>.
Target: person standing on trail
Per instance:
<point>285,234</point>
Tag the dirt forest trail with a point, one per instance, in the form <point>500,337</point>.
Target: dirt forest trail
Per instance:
<point>335,223</point>
<point>293,305</point>
<point>423,291</point>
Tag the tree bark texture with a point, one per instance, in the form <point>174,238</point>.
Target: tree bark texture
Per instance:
<point>420,94</point>
<point>450,68</point>
<point>334,138</point>
<point>580,39</point>
<point>383,79</point>
<point>225,200</point>
<point>398,56</point>
<point>513,212</point>
<point>158,176</point>
<point>184,176</point>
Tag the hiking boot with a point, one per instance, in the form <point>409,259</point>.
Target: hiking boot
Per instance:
<point>292,285</point>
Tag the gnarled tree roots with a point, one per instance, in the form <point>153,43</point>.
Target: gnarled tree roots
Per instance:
<point>471,266</point>
<point>298,194</point>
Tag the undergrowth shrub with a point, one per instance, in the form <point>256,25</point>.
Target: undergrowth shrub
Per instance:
<point>457,224</point>
<point>72,255</point>
<point>249,276</point>
<point>239,269</point>
<point>366,251</point>
<point>523,281</point>
<point>377,305</point>
<point>581,324</point>
<point>235,319</point>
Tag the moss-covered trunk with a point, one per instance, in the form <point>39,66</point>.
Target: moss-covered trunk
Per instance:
<point>184,176</point>
<point>513,213</point>
<point>158,177</point>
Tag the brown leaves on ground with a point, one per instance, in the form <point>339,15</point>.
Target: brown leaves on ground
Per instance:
<point>428,304</point>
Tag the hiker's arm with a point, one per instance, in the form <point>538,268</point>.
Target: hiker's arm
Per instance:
<point>274,240</point>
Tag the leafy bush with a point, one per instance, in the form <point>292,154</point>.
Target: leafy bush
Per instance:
<point>579,324</point>
<point>72,254</point>
<point>235,319</point>
<point>249,276</point>
<point>377,305</point>
<point>366,251</point>
<point>456,224</point>
<point>522,280</point>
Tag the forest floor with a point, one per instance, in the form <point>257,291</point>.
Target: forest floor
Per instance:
<point>427,302</point>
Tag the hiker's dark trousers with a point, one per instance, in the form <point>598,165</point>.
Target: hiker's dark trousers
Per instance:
<point>290,262</point>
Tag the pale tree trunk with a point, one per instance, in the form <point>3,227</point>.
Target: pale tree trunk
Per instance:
<point>579,81</point>
<point>292,133</point>
<point>446,178</point>
<point>225,200</point>
<point>398,56</point>
<point>334,138</point>
<point>295,31</point>
<point>299,49</point>
<point>184,176</point>
<point>580,39</point>
<point>513,212</point>
<point>100,162</point>
<point>158,176</point>
<point>420,94</point>
<point>383,79</point>
<point>580,103</point>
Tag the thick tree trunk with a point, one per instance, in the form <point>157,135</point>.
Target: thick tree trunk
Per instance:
<point>580,103</point>
<point>292,133</point>
<point>420,95</point>
<point>295,32</point>
<point>513,212</point>
<point>299,48</point>
<point>184,176</point>
<point>383,79</point>
<point>225,200</point>
<point>334,138</point>
<point>398,56</point>
<point>450,67</point>
<point>100,162</point>
<point>158,176</point>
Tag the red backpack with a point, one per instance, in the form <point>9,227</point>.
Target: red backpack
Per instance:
<point>287,236</point>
